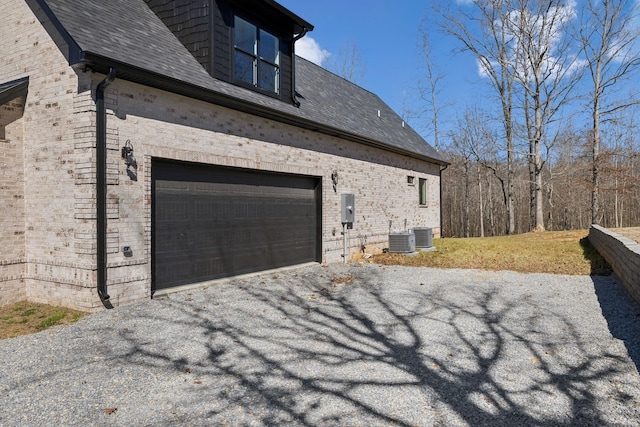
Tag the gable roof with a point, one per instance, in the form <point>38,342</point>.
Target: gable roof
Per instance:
<point>128,36</point>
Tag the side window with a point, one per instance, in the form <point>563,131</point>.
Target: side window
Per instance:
<point>422,189</point>
<point>257,56</point>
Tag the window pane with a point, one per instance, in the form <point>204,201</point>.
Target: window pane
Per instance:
<point>268,77</point>
<point>243,67</point>
<point>269,48</point>
<point>422,188</point>
<point>245,36</point>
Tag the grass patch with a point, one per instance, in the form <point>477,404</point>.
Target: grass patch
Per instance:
<point>26,318</point>
<point>556,252</point>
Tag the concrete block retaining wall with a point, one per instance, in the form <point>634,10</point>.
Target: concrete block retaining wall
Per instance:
<point>622,253</point>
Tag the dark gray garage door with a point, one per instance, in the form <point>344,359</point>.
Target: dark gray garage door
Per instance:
<point>213,222</point>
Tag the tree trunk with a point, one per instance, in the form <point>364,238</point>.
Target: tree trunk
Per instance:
<point>595,152</point>
<point>480,201</point>
<point>466,224</point>
<point>492,220</point>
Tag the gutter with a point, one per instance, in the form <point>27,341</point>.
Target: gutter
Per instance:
<point>101,64</point>
<point>81,60</point>
<point>304,31</point>
<point>101,187</point>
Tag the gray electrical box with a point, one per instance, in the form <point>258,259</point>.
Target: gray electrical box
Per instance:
<point>347,208</point>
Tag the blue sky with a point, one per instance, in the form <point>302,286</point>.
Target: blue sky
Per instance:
<point>387,35</point>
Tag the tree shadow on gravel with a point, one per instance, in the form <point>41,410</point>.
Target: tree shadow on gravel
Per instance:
<point>349,349</point>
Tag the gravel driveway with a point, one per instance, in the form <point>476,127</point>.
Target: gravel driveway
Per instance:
<point>341,345</point>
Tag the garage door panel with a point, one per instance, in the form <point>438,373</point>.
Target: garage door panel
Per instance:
<point>213,222</point>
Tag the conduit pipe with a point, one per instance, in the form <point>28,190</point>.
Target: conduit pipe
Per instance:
<point>101,187</point>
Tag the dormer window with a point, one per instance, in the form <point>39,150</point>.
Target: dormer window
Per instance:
<point>257,57</point>
<point>247,43</point>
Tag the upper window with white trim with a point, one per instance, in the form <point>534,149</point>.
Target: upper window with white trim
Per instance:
<point>257,57</point>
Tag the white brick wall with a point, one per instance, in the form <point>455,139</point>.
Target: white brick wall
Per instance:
<point>56,252</point>
<point>12,214</point>
<point>174,127</point>
<point>48,269</point>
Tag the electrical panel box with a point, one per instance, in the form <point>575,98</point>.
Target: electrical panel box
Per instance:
<point>347,208</point>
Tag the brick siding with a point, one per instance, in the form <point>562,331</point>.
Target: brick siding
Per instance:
<point>49,252</point>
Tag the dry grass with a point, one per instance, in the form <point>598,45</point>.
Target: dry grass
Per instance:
<point>26,318</point>
<point>632,233</point>
<point>556,252</point>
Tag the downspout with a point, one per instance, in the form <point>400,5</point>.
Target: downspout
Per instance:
<point>101,187</point>
<point>442,168</point>
<point>296,103</point>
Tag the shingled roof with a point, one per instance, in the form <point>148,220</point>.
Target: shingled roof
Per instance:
<point>128,36</point>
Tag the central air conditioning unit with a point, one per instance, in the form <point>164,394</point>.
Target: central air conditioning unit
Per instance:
<point>424,237</point>
<point>402,243</point>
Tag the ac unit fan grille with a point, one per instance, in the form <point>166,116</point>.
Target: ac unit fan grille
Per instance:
<point>402,243</point>
<point>424,237</point>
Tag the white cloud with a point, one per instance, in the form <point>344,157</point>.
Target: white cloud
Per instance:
<point>309,49</point>
<point>485,66</point>
<point>547,32</point>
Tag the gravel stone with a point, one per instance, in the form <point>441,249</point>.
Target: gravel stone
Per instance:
<point>357,345</point>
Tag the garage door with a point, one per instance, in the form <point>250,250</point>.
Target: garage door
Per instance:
<point>213,222</point>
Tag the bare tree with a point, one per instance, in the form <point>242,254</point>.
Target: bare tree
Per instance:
<point>348,62</point>
<point>547,71</point>
<point>526,52</point>
<point>483,33</point>
<point>429,86</point>
<point>609,41</point>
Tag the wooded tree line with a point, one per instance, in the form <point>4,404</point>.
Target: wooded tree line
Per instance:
<point>557,148</point>
<point>474,196</point>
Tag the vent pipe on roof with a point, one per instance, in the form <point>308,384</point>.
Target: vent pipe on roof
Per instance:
<point>296,103</point>
<point>101,187</point>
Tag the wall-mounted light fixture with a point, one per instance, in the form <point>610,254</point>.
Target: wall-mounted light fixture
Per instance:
<point>130,160</point>
<point>334,179</point>
<point>127,154</point>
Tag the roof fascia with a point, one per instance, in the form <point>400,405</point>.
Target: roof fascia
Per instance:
<point>14,89</point>
<point>135,74</point>
<point>301,23</point>
<point>40,7</point>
